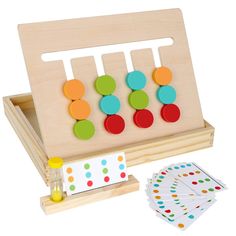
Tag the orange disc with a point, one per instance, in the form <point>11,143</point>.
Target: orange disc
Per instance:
<point>162,75</point>
<point>73,89</point>
<point>79,109</point>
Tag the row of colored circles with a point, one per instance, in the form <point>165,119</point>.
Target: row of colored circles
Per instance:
<point>166,94</point>
<point>193,173</point>
<point>70,178</point>
<point>79,109</point>
<point>138,99</point>
<point>109,104</point>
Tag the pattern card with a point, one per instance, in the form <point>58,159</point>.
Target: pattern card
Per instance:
<point>181,192</point>
<point>93,173</point>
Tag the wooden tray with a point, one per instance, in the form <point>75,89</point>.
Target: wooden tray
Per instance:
<point>21,113</point>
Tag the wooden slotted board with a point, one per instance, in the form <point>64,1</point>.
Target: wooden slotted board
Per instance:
<point>47,78</point>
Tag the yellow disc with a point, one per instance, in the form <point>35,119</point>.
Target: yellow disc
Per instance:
<point>162,75</point>
<point>55,162</point>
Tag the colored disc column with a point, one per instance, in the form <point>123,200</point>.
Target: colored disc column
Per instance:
<point>79,109</point>
<point>138,99</point>
<point>166,94</point>
<point>109,104</point>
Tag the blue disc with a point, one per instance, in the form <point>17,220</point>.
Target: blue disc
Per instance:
<point>110,105</point>
<point>136,80</point>
<point>166,94</point>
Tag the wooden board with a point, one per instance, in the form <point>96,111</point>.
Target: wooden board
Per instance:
<point>79,199</point>
<point>21,113</point>
<point>47,78</point>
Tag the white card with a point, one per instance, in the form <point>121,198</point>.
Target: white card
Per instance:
<point>93,173</point>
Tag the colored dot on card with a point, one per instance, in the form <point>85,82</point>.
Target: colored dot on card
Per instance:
<point>90,183</point>
<point>169,168</point>
<point>173,191</point>
<point>200,181</point>
<point>86,166</point>
<point>120,158</point>
<point>194,182</point>
<point>171,215</point>
<point>160,202</point>
<point>176,167</point>
<point>207,179</point>
<point>181,226</point>
<point>188,165</point>
<point>191,217</point>
<point>197,171</point>
<point>185,175</point>
<point>191,173</point>
<point>163,173</point>
<point>69,170</point>
<point>88,174</point>
<point>155,191</point>
<point>136,80</point>
<point>106,179</point>
<point>121,166</point>
<point>159,181</point>
<point>217,187</point>
<point>174,195</point>
<point>103,162</point>
<point>204,191</point>
<point>105,170</point>
<point>211,189</point>
<point>70,178</point>
<point>162,207</point>
<point>176,200</point>
<point>182,166</point>
<point>72,187</point>
<point>158,197</point>
<point>161,177</point>
<point>156,185</point>
<point>168,211</point>
<point>122,175</point>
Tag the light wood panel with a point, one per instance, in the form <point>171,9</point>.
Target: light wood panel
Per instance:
<point>47,78</point>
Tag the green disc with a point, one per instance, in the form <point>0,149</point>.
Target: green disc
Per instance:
<point>105,85</point>
<point>138,99</point>
<point>84,129</point>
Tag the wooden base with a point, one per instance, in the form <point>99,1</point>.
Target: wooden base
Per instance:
<point>79,199</point>
<point>21,113</point>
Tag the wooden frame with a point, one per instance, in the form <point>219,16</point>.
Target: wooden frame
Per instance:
<point>21,113</point>
<point>29,120</point>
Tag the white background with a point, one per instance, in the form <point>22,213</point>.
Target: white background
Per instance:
<point>211,27</point>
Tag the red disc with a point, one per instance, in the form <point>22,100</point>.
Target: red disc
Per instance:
<point>114,124</point>
<point>170,113</point>
<point>143,118</point>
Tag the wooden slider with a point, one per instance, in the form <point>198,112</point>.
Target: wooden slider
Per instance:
<point>79,199</point>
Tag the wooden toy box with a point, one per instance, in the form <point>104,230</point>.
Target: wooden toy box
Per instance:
<point>21,112</point>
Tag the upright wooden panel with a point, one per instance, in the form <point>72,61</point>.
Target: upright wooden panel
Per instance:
<point>47,78</point>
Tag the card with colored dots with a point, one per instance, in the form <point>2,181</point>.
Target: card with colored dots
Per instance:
<point>181,192</point>
<point>97,172</point>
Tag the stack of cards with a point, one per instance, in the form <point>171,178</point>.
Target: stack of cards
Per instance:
<point>180,193</point>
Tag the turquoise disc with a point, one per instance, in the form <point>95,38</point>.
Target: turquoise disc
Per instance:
<point>110,105</point>
<point>166,94</point>
<point>136,80</point>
